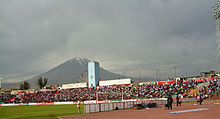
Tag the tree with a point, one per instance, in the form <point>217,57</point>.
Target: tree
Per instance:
<point>42,82</point>
<point>45,82</point>
<point>24,86</point>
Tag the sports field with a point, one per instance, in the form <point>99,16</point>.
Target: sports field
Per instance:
<point>38,111</point>
<point>67,112</point>
<point>212,112</point>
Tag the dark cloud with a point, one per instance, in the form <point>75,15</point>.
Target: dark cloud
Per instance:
<point>124,35</point>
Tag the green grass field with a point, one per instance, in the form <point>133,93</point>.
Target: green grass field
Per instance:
<point>38,111</point>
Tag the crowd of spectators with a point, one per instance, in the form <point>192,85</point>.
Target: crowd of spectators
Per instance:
<point>208,91</point>
<point>6,97</point>
<point>151,90</point>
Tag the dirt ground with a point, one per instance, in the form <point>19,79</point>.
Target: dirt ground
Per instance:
<point>213,112</point>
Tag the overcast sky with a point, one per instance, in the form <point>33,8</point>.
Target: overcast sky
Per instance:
<point>125,36</point>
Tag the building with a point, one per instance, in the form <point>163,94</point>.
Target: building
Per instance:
<point>93,74</point>
<point>207,74</point>
<point>75,85</point>
<point>116,82</point>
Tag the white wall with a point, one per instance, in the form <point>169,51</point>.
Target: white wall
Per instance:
<point>115,82</point>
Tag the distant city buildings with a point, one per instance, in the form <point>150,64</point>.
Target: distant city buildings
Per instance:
<point>93,74</point>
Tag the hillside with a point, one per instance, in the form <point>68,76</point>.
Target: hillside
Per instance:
<point>72,71</point>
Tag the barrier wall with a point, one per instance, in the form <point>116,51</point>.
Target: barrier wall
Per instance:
<point>116,102</point>
<point>126,104</point>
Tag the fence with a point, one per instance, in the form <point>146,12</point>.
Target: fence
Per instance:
<point>126,104</point>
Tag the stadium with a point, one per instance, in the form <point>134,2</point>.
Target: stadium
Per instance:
<point>179,97</point>
<point>109,95</point>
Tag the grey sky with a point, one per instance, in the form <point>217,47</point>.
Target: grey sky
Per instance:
<point>125,36</point>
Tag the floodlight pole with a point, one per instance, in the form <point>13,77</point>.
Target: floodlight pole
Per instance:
<point>175,71</point>
<point>216,15</point>
<point>1,81</point>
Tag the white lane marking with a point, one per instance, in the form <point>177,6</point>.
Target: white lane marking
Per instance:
<point>193,110</point>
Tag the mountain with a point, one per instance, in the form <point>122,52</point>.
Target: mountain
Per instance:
<point>72,71</point>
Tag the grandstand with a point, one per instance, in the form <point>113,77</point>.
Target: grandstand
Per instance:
<point>200,86</point>
<point>116,92</point>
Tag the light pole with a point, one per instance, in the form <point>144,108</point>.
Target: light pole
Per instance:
<point>216,15</point>
<point>175,71</point>
<point>1,81</point>
<point>156,72</point>
<point>139,72</point>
